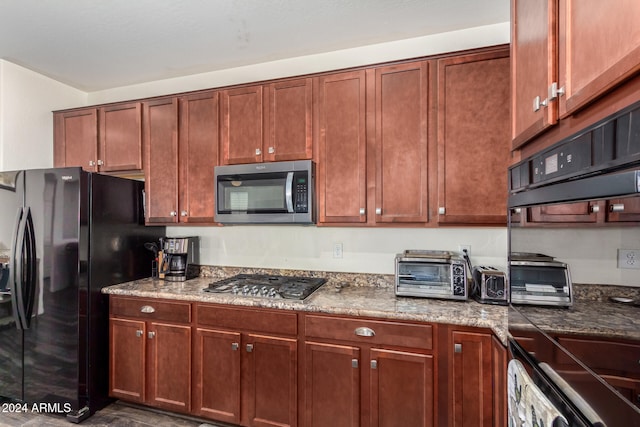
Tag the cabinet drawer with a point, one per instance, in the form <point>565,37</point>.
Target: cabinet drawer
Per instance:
<point>256,320</point>
<point>595,354</point>
<point>151,309</point>
<point>356,330</point>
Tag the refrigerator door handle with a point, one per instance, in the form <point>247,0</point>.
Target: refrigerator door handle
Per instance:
<point>30,282</point>
<point>15,270</point>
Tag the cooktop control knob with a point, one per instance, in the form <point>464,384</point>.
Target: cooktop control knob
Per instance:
<point>236,290</point>
<point>245,290</point>
<point>264,291</point>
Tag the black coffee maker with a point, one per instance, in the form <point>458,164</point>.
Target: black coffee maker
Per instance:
<point>178,253</point>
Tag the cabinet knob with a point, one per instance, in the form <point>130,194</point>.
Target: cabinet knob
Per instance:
<point>378,211</point>
<point>595,208</point>
<point>100,163</point>
<point>441,210</point>
<point>457,348</point>
<point>363,211</point>
<point>147,309</point>
<point>173,213</point>
<point>354,363</point>
<point>617,207</point>
<point>235,346</point>
<point>139,333</point>
<point>151,335</point>
<point>183,213</point>
<point>364,332</point>
<point>249,348</point>
<point>272,150</point>
<point>539,103</point>
<point>92,163</point>
<point>258,151</point>
<point>374,364</point>
<point>555,91</point>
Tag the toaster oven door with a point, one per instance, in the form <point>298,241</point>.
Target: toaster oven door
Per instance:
<point>430,279</point>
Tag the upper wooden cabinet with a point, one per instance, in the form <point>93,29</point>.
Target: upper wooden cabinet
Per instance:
<point>566,54</point>
<point>373,138</point>
<point>179,164</point>
<point>105,139</point>
<point>267,123</point>
<point>473,138</point>
<point>342,138</point>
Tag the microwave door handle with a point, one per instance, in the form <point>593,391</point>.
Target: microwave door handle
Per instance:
<point>289,192</point>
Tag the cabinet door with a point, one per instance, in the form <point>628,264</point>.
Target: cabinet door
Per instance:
<point>288,130</point>
<point>76,139</point>
<point>161,164</point>
<point>596,54</point>
<point>534,67</point>
<point>332,385</point>
<point>401,143</point>
<point>583,212</point>
<point>242,125</point>
<point>401,389</point>
<point>217,375</point>
<point>342,185</point>
<point>473,138</point>
<point>121,138</point>
<point>198,155</point>
<point>127,360</point>
<point>271,381</point>
<point>169,366</point>
<point>499,355</point>
<point>623,210</point>
<point>471,379</point>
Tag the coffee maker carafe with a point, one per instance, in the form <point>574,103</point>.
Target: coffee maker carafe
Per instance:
<point>178,253</point>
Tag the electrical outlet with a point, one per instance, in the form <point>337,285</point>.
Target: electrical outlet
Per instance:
<point>337,250</point>
<point>461,249</point>
<point>629,258</point>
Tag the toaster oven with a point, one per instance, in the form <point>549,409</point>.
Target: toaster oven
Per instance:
<point>431,274</point>
<point>538,279</point>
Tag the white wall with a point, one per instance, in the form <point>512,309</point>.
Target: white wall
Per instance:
<point>26,123</point>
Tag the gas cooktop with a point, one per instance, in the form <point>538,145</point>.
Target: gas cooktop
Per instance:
<point>267,286</point>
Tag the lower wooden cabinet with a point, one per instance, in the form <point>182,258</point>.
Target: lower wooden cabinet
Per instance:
<point>150,357</point>
<point>357,375</point>
<point>268,367</point>
<point>244,373</point>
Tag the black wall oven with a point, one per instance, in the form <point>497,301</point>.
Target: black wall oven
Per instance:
<point>578,203</point>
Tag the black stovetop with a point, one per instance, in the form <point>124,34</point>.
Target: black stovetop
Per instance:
<point>267,286</point>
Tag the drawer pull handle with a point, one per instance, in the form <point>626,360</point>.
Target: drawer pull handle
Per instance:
<point>235,346</point>
<point>374,364</point>
<point>617,207</point>
<point>354,363</point>
<point>147,309</point>
<point>364,332</point>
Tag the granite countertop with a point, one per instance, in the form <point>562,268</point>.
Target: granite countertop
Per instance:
<point>342,294</point>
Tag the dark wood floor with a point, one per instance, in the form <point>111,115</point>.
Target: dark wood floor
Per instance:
<point>114,415</point>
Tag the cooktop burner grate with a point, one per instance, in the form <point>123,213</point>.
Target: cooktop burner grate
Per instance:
<point>267,286</point>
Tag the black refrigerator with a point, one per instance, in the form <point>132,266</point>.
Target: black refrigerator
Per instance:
<point>64,235</point>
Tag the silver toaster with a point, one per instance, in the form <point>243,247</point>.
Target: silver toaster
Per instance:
<point>490,285</point>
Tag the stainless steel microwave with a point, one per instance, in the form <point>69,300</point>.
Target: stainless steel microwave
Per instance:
<point>265,193</point>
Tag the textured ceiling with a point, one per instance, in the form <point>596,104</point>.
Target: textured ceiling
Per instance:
<point>100,44</point>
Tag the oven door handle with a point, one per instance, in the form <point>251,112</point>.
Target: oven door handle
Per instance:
<point>577,400</point>
<point>289,192</point>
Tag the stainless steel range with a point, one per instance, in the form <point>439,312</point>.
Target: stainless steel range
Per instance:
<point>267,286</point>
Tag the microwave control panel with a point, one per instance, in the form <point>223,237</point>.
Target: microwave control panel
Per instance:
<point>301,191</point>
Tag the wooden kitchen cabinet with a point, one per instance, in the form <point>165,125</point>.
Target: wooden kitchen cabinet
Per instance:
<point>105,139</point>
<point>181,145</point>
<point>581,212</point>
<point>473,397</point>
<point>267,122</point>
<point>473,137</point>
<point>246,366</point>
<point>376,373</point>
<point>149,352</point>
<point>381,114</point>
<point>584,49</point>
<point>342,137</point>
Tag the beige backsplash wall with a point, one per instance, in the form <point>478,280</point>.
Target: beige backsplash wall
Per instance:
<point>365,250</point>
